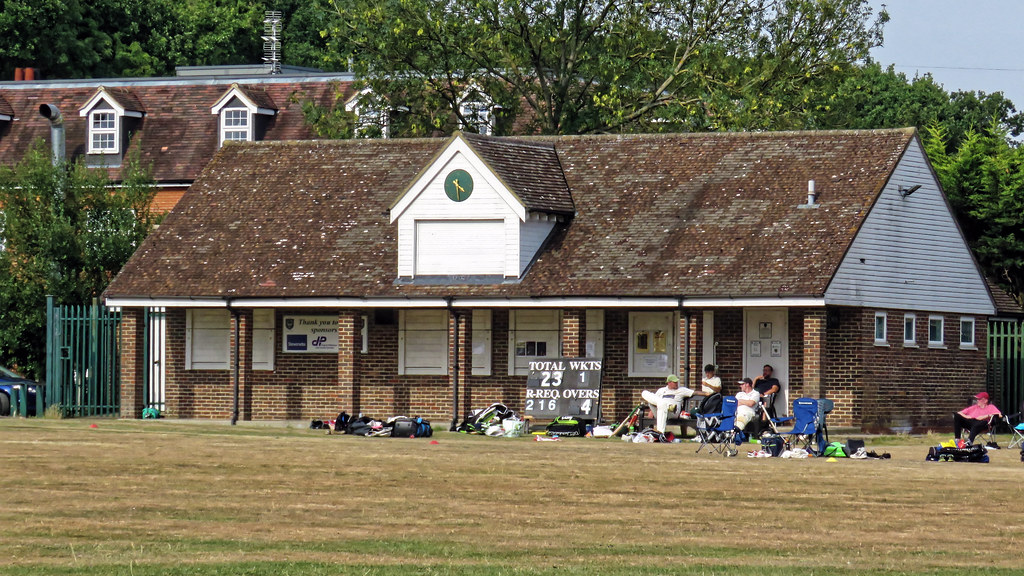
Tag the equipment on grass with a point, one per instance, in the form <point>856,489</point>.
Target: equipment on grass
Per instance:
<point>630,420</point>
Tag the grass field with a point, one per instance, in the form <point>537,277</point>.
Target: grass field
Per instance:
<point>142,498</point>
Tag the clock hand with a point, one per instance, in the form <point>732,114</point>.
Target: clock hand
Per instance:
<point>458,189</point>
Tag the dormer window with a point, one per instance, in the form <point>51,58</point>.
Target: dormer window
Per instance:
<point>238,112</point>
<point>111,117</point>
<point>235,125</point>
<point>371,115</point>
<point>477,112</point>
<point>103,132</point>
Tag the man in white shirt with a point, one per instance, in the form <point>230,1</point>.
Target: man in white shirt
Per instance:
<point>710,384</point>
<point>670,396</point>
<point>746,403</point>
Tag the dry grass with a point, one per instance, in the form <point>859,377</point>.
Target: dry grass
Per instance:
<point>131,497</point>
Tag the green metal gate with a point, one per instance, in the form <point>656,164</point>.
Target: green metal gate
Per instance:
<point>82,368</point>
<point>1006,363</point>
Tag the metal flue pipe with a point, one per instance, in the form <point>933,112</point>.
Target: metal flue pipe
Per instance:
<point>51,113</point>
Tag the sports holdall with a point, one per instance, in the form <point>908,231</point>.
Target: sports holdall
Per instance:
<point>567,426</point>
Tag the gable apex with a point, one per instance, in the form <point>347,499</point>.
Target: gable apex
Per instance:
<point>457,149</point>
<point>123,102</point>
<point>252,102</point>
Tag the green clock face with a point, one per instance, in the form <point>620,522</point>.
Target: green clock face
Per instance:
<point>458,185</point>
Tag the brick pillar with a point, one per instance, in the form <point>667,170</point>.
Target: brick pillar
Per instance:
<point>350,324</point>
<point>814,353</point>
<point>689,376</point>
<point>460,360</point>
<point>574,333</point>
<point>132,345</point>
<point>245,407</point>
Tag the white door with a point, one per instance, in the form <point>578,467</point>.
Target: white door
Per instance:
<point>766,341</point>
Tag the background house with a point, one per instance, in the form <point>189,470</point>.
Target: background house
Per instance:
<point>420,276</point>
<point>174,124</point>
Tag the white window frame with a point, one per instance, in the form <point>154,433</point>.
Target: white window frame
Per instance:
<point>972,343</point>
<point>910,319</point>
<point>657,330</point>
<point>369,112</point>
<point>532,325</point>
<point>477,109</point>
<point>263,348</point>
<point>941,342</point>
<point>231,114</point>
<point>481,342</point>
<point>110,132</point>
<point>420,330</point>
<point>881,329</point>
<point>207,339</point>
<point>595,334</point>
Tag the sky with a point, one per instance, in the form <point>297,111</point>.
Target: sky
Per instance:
<point>964,44</point>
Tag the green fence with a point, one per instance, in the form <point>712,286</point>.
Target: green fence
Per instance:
<point>1006,363</point>
<point>82,369</point>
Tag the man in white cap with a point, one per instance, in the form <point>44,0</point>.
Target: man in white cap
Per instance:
<point>666,398</point>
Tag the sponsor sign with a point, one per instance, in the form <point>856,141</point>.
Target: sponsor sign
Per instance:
<point>310,335</point>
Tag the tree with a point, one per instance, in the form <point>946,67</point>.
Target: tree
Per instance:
<point>873,97</point>
<point>984,179</point>
<point>66,232</point>
<point>603,65</point>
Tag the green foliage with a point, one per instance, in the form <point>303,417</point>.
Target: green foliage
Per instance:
<point>66,234</point>
<point>984,179</point>
<point>596,66</point>
<point>111,38</point>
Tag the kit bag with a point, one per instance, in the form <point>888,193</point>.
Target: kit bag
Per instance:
<point>773,444</point>
<point>567,426</point>
<point>406,427</point>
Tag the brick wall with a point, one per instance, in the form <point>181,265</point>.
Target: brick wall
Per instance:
<point>881,387</point>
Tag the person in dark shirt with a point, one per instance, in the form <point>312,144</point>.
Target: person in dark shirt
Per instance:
<point>768,386</point>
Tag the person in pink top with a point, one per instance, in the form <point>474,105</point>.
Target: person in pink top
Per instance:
<point>974,418</point>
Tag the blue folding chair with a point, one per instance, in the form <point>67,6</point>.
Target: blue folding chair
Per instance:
<point>717,430</point>
<point>810,430</point>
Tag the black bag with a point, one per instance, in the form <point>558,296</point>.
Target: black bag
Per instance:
<point>975,453</point>
<point>567,426</point>
<point>359,426</point>
<point>405,427</point>
<point>852,445</point>
<point>773,444</point>
<point>480,420</point>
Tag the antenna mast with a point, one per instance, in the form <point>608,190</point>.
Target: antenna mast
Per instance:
<point>272,40</point>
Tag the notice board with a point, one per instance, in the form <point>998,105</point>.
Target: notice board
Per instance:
<point>564,387</point>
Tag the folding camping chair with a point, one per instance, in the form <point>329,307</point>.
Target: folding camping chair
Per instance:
<point>810,430</point>
<point>717,430</point>
<point>1015,422</point>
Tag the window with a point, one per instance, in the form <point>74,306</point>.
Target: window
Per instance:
<point>967,332</point>
<point>263,339</point>
<point>103,132</point>
<point>595,334</point>
<point>532,334</point>
<point>371,115</point>
<point>481,342</point>
<point>652,349</point>
<point>936,326</point>
<point>881,332</point>
<point>235,125</point>
<point>207,339</point>
<point>476,111</point>
<point>909,330</point>
<point>423,342</point>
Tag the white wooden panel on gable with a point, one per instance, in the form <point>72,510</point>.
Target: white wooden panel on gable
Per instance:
<point>460,247</point>
<point>909,254</point>
<point>533,234</point>
<point>458,242</point>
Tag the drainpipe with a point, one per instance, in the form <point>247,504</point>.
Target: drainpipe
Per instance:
<point>686,343</point>
<point>455,368</point>
<point>50,112</point>
<point>234,377</point>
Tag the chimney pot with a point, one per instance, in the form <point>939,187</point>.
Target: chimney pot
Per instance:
<point>812,196</point>
<point>30,74</point>
<point>19,74</point>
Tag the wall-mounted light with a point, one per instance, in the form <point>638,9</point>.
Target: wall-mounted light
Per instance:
<point>904,192</point>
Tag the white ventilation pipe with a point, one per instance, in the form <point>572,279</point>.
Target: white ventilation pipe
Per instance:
<point>50,112</point>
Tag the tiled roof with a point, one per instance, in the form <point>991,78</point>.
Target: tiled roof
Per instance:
<point>655,215</point>
<point>178,134</point>
<point>259,97</point>
<point>529,168</point>
<point>1005,304</point>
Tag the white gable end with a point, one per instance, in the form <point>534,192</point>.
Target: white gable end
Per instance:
<point>479,234</point>
<point>910,254</point>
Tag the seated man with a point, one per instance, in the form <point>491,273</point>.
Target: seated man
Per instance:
<point>746,403</point>
<point>710,384</point>
<point>975,418</point>
<point>665,398</point>
<point>767,386</point>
